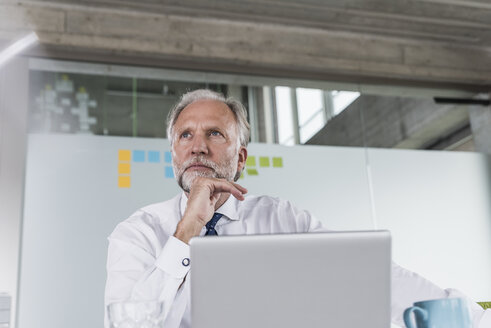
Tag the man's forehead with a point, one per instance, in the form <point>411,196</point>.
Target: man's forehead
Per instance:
<point>191,124</point>
<point>206,108</point>
<point>209,103</point>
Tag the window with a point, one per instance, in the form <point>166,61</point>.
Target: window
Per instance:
<point>302,112</point>
<point>284,114</point>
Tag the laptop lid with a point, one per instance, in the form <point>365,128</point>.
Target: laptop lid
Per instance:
<point>332,279</point>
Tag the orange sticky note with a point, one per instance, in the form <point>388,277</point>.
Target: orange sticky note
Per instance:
<point>124,168</point>
<point>124,181</point>
<point>124,155</point>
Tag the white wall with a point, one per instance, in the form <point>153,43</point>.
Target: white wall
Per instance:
<point>13,119</point>
<point>435,203</point>
<point>438,208</point>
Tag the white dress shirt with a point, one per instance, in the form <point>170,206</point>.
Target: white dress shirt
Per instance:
<point>145,262</point>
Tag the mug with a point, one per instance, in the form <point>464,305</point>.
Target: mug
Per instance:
<point>440,313</point>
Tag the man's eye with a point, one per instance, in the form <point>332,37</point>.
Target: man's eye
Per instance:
<point>185,135</point>
<point>215,133</point>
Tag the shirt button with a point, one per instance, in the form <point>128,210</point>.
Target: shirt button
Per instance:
<point>185,262</point>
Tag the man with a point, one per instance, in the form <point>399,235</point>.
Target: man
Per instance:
<point>148,256</point>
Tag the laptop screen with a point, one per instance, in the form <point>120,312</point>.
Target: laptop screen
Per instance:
<point>332,279</point>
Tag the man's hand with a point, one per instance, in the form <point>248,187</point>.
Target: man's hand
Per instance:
<point>206,195</point>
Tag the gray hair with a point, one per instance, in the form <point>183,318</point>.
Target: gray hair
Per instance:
<point>235,106</point>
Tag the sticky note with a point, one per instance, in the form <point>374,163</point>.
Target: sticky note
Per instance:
<point>153,156</point>
<point>124,181</point>
<point>167,157</point>
<point>277,162</point>
<point>169,173</point>
<point>124,155</point>
<point>264,161</point>
<point>251,161</point>
<point>252,172</point>
<point>124,168</point>
<point>138,156</point>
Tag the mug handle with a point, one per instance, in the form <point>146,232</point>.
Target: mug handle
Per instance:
<point>416,310</point>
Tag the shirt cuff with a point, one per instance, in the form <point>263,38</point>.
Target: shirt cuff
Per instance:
<point>174,258</point>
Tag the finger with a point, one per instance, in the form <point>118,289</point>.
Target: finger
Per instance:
<point>238,186</point>
<point>238,194</point>
<point>225,186</point>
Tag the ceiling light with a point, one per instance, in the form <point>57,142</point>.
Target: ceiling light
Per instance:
<point>18,46</point>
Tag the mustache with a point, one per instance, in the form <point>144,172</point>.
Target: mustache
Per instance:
<point>199,161</point>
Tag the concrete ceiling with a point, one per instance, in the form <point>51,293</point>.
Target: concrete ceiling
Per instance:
<point>438,43</point>
<point>446,21</point>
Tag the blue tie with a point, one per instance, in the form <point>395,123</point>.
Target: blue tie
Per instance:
<point>210,226</point>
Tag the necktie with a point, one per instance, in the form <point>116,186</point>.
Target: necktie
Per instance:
<point>210,226</point>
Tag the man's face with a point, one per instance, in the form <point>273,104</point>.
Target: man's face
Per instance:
<point>205,143</point>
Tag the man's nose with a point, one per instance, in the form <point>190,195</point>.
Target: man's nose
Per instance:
<point>199,145</point>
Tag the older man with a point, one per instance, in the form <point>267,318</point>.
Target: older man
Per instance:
<point>148,256</point>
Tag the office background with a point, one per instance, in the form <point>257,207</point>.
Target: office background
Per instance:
<point>331,88</point>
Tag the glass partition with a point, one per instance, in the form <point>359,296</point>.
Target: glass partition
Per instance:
<point>104,105</point>
<point>130,101</point>
<point>73,190</point>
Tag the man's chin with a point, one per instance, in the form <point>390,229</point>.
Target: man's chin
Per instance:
<point>187,179</point>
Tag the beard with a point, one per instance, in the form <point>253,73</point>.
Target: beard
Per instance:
<point>223,170</point>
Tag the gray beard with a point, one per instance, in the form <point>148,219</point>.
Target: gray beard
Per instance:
<point>185,179</point>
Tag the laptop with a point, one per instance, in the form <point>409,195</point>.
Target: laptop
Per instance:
<point>332,279</point>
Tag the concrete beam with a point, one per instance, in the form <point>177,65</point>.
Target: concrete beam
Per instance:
<point>245,44</point>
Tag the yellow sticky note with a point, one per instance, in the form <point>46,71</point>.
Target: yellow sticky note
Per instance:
<point>264,161</point>
<point>124,181</point>
<point>251,161</point>
<point>124,155</point>
<point>124,168</point>
<point>277,162</point>
<point>252,172</point>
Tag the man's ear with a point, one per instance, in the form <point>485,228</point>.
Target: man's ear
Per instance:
<point>242,158</point>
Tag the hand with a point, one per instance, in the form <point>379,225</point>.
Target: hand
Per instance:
<point>206,195</point>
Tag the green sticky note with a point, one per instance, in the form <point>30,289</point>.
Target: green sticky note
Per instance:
<point>252,172</point>
<point>264,161</point>
<point>485,305</point>
<point>251,161</point>
<point>277,162</point>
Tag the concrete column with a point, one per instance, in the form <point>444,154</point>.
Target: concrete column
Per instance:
<point>252,101</point>
<point>14,79</point>
<point>294,109</point>
<point>266,116</point>
<point>480,118</point>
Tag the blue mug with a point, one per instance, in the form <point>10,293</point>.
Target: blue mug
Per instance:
<point>441,313</point>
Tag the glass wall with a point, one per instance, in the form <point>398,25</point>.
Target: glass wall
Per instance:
<point>70,190</point>
<point>130,101</point>
<point>353,118</point>
<point>104,105</point>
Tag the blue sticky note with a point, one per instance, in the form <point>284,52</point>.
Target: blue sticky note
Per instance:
<point>169,173</point>
<point>167,157</point>
<point>138,156</point>
<point>153,156</point>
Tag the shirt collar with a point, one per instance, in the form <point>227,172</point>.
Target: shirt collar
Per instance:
<point>228,209</point>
